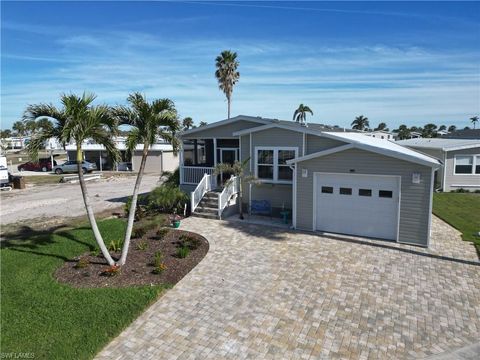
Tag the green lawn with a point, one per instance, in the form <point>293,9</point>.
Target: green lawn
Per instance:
<point>462,211</point>
<point>55,321</point>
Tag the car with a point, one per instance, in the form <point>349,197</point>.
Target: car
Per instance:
<point>71,167</point>
<point>42,165</point>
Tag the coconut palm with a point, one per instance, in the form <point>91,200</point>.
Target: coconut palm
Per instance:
<point>360,123</point>
<point>452,128</point>
<point>474,120</point>
<point>381,127</point>
<point>300,115</point>
<point>187,123</point>
<point>227,74</point>
<point>236,169</point>
<point>403,132</point>
<point>202,123</point>
<point>77,121</point>
<point>148,121</point>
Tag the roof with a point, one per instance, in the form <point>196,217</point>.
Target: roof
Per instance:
<point>463,134</point>
<point>442,143</point>
<point>121,147</point>
<point>256,119</point>
<point>369,143</point>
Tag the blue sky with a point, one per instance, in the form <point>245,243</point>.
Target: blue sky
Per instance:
<point>398,63</point>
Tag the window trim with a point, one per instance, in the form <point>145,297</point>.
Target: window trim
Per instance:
<point>275,164</point>
<point>475,158</point>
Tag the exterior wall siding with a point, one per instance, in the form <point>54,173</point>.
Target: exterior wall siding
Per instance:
<point>156,161</point>
<point>317,143</point>
<point>452,181</point>
<point>223,131</point>
<point>415,198</point>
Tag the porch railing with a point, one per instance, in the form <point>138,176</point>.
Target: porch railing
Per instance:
<point>192,175</point>
<point>203,186</point>
<point>231,188</point>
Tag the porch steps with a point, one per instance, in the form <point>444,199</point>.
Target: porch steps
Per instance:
<point>208,206</point>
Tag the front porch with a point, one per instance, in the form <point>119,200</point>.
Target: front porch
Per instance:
<point>200,156</point>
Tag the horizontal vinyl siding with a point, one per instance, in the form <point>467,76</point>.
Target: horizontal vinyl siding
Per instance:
<point>317,143</point>
<point>415,198</point>
<point>245,154</point>
<point>223,130</point>
<point>452,179</point>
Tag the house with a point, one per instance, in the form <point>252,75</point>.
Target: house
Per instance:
<point>331,181</point>
<point>382,134</point>
<point>161,156</point>
<point>461,159</point>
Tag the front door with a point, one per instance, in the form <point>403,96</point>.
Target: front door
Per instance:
<point>227,156</point>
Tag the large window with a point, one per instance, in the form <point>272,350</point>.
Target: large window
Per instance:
<point>271,164</point>
<point>467,164</point>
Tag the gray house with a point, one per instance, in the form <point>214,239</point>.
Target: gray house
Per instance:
<point>327,179</point>
<point>461,159</point>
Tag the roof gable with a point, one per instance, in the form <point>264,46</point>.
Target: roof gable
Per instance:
<point>259,120</point>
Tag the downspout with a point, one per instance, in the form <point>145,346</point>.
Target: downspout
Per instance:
<point>294,197</point>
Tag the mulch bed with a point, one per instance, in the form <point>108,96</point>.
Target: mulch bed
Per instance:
<point>139,267</point>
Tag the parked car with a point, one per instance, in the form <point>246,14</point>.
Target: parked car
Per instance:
<point>42,165</point>
<point>71,167</point>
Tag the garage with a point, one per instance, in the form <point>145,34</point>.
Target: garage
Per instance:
<point>356,204</point>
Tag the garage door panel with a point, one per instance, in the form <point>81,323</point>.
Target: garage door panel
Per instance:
<point>361,205</point>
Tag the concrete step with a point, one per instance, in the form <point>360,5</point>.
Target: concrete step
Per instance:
<point>209,202</point>
<point>205,216</point>
<point>206,210</point>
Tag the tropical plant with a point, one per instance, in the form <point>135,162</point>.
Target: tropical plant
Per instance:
<point>44,124</point>
<point>360,123</point>
<point>474,120</point>
<point>442,128</point>
<point>237,169</point>
<point>202,123</point>
<point>227,75</point>
<point>171,178</point>
<point>403,132</point>
<point>19,128</point>
<point>452,128</point>
<point>77,121</point>
<point>429,131</point>
<point>148,121</point>
<point>5,133</point>
<point>31,127</point>
<point>381,127</point>
<point>300,115</point>
<point>187,123</point>
<point>167,199</point>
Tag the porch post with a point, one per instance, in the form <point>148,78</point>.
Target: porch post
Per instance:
<point>195,151</point>
<point>215,152</point>
<point>181,162</point>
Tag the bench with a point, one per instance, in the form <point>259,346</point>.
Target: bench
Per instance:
<point>262,207</point>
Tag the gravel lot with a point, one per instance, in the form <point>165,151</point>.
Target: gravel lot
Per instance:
<point>58,201</point>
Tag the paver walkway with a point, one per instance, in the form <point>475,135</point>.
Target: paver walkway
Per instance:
<point>265,293</point>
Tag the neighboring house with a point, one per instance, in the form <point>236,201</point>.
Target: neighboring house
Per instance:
<point>332,181</point>
<point>463,134</point>
<point>160,156</point>
<point>15,142</point>
<point>381,134</point>
<point>415,135</point>
<point>461,159</point>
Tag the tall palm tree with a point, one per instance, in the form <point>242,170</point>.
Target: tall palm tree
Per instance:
<point>187,123</point>
<point>474,120</point>
<point>452,128</point>
<point>77,121</point>
<point>148,121</point>
<point>381,127</point>
<point>300,115</point>
<point>227,74</point>
<point>360,123</point>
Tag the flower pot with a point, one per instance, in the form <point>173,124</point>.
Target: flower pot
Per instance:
<point>176,224</point>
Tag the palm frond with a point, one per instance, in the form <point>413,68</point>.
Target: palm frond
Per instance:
<point>133,139</point>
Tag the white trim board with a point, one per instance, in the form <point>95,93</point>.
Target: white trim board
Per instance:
<point>275,165</point>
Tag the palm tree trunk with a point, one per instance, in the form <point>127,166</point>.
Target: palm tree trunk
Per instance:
<point>228,105</point>
<point>133,206</point>
<point>90,214</point>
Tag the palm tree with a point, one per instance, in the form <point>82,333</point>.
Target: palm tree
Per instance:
<point>148,121</point>
<point>452,128</point>
<point>237,169</point>
<point>300,115</point>
<point>381,127</point>
<point>360,123</point>
<point>227,74</point>
<point>77,121</point>
<point>202,123</point>
<point>187,123</point>
<point>403,132</point>
<point>429,131</point>
<point>474,120</point>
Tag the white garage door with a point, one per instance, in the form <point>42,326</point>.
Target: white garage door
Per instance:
<point>363,205</point>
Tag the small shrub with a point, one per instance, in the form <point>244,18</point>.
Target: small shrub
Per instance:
<point>157,258</point>
<point>161,233</point>
<point>159,269</point>
<point>138,232</point>
<point>171,178</point>
<point>142,245</point>
<point>112,270</point>
<point>167,199</point>
<point>461,190</point>
<point>115,245</point>
<point>82,263</point>
<point>182,252</point>
<point>189,241</point>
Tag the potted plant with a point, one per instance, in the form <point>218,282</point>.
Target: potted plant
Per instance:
<point>175,219</point>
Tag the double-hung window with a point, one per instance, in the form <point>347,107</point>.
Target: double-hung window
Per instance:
<point>467,164</point>
<point>271,164</point>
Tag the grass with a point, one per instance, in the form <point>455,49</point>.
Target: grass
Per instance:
<point>56,321</point>
<point>461,210</point>
<point>42,179</point>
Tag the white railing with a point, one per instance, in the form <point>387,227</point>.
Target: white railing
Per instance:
<point>203,186</point>
<point>192,175</point>
<point>231,188</point>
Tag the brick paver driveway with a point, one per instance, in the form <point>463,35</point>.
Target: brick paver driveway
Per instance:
<point>264,293</point>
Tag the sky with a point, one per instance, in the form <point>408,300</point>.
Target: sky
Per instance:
<point>399,63</point>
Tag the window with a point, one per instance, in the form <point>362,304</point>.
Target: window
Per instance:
<point>364,192</point>
<point>327,190</point>
<point>271,164</point>
<point>477,164</point>
<point>385,194</point>
<point>345,191</point>
<point>463,164</point>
